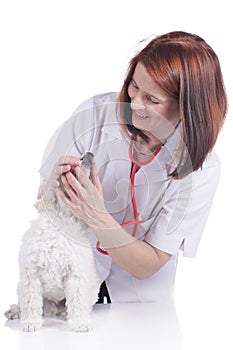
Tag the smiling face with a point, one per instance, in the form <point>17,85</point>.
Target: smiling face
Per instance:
<point>154,112</point>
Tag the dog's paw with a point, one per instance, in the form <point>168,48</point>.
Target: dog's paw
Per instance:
<point>13,313</point>
<point>31,326</point>
<point>80,325</point>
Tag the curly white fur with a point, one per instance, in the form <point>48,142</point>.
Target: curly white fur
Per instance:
<point>56,263</point>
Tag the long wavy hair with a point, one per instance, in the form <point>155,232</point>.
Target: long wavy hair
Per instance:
<point>186,68</point>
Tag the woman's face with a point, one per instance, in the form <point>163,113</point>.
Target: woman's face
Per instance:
<point>153,111</point>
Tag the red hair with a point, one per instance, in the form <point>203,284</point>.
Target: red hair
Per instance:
<point>186,68</point>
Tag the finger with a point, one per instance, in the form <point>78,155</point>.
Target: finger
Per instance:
<point>68,190</point>
<point>82,178</point>
<point>58,170</point>
<point>55,183</point>
<point>65,199</point>
<point>61,169</point>
<point>69,160</point>
<point>95,178</point>
<point>75,184</point>
<point>73,207</point>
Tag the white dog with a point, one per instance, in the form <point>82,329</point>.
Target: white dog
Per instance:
<point>56,263</point>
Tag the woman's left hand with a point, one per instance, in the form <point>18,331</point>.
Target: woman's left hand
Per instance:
<point>83,196</point>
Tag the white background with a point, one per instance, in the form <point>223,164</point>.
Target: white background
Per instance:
<point>55,54</point>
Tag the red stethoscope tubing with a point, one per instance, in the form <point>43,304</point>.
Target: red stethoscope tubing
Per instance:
<point>135,167</point>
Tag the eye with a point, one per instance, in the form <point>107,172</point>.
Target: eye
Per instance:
<point>134,85</point>
<point>151,100</point>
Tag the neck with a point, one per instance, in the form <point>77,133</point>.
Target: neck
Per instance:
<point>141,159</point>
<point>145,148</point>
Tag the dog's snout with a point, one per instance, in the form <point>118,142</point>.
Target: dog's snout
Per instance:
<point>87,162</point>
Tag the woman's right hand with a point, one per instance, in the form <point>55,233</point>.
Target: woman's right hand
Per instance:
<point>64,165</point>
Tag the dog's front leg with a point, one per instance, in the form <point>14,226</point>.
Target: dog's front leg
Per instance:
<point>31,302</point>
<point>78,304</point>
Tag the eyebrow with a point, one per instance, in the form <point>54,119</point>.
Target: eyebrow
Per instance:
<point>158,99</point>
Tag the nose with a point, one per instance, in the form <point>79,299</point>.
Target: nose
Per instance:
<point>136,106</point>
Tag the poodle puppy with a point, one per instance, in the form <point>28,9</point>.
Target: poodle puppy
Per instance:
<point>57,267</point>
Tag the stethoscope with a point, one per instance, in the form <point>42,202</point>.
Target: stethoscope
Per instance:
<point>135,166</point>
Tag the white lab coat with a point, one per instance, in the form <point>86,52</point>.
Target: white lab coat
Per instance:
<point>174,212</point>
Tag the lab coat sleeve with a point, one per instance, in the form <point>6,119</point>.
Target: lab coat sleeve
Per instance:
<point>72,138</point>
<point>183,216</point>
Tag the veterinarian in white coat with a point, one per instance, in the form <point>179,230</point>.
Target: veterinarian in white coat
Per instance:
<point>155,173</point>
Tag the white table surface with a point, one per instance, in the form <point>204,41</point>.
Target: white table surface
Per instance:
<point>115,326</point>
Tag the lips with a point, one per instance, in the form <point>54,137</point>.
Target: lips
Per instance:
<point>140,116</point>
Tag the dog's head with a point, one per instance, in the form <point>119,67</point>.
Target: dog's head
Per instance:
<point>86,165</point>
<point>49,199</point>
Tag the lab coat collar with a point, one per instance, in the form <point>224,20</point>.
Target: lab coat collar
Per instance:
<point>112,128</point>
<point>171,149</point>
<point>167,159</point>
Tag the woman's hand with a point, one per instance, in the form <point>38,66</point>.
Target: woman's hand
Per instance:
<point>64,165</point>
<point>83,196</point>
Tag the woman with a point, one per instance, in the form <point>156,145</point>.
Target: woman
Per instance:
<point>157,173</point>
